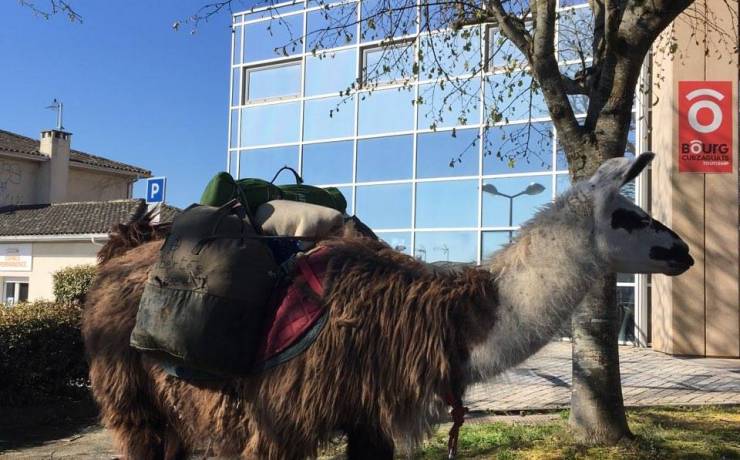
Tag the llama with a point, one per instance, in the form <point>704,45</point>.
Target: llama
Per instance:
<point>400,334</point>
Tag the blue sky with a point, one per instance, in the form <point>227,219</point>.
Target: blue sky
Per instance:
<point>133,89</point>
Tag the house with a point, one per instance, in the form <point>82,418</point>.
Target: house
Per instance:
<point>49,171</point>
<point>56,208</point>
<point>36,240</point>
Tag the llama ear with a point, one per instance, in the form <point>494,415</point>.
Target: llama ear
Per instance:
<point>637,166</point>
<point>616,172</point>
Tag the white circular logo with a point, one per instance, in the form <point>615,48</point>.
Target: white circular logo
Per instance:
<point>694,122</point>
<point>696,146</point>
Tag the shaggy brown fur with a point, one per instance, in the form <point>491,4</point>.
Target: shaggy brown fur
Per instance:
<point>391,347</point>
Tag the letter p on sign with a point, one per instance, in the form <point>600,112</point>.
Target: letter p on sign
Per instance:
<point>705,127</point>
<point>155,187</point>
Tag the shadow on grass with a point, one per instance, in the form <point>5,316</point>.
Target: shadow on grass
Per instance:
<point>22,427</point>
<point>660,433</point>
<point>679,432</point>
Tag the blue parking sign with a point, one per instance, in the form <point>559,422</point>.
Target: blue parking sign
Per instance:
<point>155,187</point>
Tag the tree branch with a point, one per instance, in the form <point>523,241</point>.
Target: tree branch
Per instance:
<point>54,7</point>
<point>611,101</point>
<point>547,72</point>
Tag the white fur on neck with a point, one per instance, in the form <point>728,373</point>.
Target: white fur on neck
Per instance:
<point>541,278</point>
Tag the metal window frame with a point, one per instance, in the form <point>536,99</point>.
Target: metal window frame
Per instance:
<point>247,70</point>
<point>382,46</point>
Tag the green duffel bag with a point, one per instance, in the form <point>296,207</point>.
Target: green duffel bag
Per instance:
<point>251,193</point>
<point>329,197</point>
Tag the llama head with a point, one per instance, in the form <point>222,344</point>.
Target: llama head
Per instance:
<point>626,236</point>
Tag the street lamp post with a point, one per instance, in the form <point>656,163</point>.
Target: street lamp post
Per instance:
<point>532,189</point>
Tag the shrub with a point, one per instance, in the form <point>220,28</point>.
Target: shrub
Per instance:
<point>71,283</point>
<point>41,353</point>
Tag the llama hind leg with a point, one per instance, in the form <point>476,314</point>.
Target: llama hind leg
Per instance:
<point>366,443</point>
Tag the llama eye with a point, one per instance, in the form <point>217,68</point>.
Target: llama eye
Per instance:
<point>629,220</point>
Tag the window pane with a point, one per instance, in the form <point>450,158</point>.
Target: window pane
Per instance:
<point>493,241</point>
<point>447,204</point>
<point>236,87</point>
<point>441,155</point>
<point>270,39</point>
<point>270,124</point>
<point>517,148</point>
<point>496,207</point>
<point>626,304</point>
<point>234,133</point>
<point>327,118</point>
<point>232,164</point>
<point>330,72</point>
<point>23,296</point>
<point>440,15</point>
<point>400,241</point>
<point>385,206</point>
<point>329,163</point>
<point>387,63</point>
<point>513,97</point>
<point>274,81</point>
<point>236,58</point>
<point>380,21</point>
<point>575,34</point>
<point>503,53</point>
<point>348,195</point>
<point>446,246</point>
<point>386,111</point>
<point>9,293</point>
<point>264,163</point>
<point>451,52</point>
<point>384,158</point>
<point>332,27</point>
<point>445,105</point>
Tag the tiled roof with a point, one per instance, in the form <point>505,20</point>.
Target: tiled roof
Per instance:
<point>12,142</point>
<point>73,218</point>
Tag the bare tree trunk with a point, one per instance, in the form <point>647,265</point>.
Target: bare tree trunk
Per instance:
<point>597,407</point>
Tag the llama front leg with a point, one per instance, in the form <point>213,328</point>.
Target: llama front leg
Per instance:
<point>368,443</point>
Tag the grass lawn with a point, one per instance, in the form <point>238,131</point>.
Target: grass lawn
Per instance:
<point>660,433</point>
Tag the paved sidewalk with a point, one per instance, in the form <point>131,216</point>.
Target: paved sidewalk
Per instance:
<point>648,378</point>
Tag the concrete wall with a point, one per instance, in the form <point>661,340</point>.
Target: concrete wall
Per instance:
<point>697,313</point>
<point>48,258</point>
<point>18,181</point>
<point>87,185</point>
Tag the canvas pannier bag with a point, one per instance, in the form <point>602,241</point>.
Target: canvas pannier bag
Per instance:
<point>206,298</point>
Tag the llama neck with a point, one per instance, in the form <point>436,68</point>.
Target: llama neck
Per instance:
<point>541,278</point>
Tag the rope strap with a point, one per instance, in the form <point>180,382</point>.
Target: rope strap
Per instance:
<point>457,411</point>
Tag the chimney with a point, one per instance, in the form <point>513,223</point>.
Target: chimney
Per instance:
<point>54,174</point>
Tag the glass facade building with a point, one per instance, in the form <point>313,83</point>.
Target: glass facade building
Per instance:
<point>422,182</point>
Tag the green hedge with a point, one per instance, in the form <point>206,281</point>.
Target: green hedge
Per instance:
<point>71,283</point>
<point>41,353</point>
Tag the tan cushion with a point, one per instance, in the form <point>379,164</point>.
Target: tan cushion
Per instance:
<point>293,218</point>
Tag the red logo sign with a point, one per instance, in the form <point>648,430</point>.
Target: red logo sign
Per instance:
<point>705,126</point>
